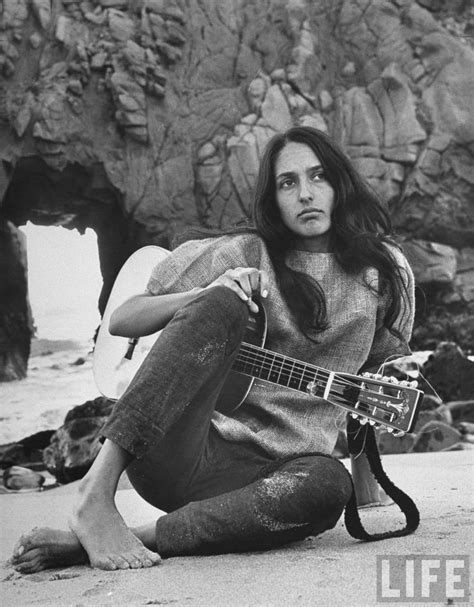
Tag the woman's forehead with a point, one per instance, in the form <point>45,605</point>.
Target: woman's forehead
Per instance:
<point>295,157</point>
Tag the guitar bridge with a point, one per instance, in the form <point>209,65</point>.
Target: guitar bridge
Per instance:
<point>132,342</point>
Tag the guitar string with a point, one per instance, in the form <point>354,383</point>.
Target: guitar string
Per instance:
<point>284,363</point>
<point>257,359</point>
<point>254,356</point>
<point>336,397</point>
<point>287,367</point>
<point>290,378</point>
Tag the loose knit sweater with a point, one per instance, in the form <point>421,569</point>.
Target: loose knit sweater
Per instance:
<point>282,421</point>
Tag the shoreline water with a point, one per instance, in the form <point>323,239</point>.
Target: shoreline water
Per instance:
<point>59,378</point>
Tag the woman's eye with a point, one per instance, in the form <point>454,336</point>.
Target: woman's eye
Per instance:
<point>318,176</point>
<point>285,184</point>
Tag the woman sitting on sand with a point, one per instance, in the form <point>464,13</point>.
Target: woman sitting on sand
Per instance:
<point>338,293</point>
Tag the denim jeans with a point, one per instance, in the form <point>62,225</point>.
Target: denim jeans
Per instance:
<point>220,496</point>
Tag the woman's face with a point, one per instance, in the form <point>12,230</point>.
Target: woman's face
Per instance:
<point>304,196</point>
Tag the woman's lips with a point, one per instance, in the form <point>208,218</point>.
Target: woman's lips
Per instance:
<point>310,213</point>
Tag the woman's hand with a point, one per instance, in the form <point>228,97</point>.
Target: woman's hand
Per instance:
<point>244,282</point>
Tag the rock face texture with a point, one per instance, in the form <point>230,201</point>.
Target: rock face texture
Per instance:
<point>16,325</point>
<point>139,117</point>
<point>75,444</point>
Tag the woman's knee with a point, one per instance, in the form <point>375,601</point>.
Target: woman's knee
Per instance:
<point>222,301</point>
<point>220,309</point>
<point>311,487</point>
<point>330,481</point>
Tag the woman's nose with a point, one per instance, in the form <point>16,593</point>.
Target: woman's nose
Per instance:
<point>305,193</point>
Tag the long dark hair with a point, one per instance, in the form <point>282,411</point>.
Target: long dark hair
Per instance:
<point>360,230</point>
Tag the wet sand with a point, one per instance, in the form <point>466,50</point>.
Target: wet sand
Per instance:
<point>59,378</point>
<point>332,569</point>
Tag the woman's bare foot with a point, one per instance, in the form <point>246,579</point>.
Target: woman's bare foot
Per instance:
<point>44,548</point>
<point>102,532</point>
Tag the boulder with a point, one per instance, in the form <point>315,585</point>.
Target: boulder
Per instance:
<point>461,411</point>
<point>16,326</point>
<point>431,262</point>
<point>26,452</point>
<point>17,478</point>
<point>450,372</point>
<point>436,436</point>
<point>388,443</point>
<point>76,444</point>
<point>73,449</point>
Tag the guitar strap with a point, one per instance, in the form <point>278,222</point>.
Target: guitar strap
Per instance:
<point>362,439</point>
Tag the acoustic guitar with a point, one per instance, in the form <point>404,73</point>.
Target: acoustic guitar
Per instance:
<point>368,397</point>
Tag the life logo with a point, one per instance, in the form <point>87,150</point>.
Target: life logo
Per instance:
<point>423,578</point>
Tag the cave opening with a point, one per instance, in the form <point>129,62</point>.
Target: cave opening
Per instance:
<point>64,282</point>
<point>80,204</point>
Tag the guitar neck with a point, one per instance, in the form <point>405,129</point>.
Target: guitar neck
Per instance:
<point>381,401</point>
<point>258,362</point>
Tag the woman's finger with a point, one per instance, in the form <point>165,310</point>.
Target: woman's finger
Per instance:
<point>244,280</point>
<point>264,283</point>
<point>228,282</point>
<point>254,278</point>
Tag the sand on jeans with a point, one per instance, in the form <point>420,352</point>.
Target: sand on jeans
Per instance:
<point>332,569</point>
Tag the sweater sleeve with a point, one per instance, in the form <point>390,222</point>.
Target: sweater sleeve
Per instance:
<point>197,263</point>
<point>386,345</point>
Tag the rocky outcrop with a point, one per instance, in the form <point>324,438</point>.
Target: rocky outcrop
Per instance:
<point>150,115</point>
<point>74,446</point>
<point>18,478</point>
<point>445,297</point>
<point>16,326</point>
<point>449,369</point>
<point>446,414</point>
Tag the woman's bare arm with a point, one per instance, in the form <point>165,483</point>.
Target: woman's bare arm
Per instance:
<point>146,313</point>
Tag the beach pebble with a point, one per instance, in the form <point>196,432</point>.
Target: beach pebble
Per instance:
<point>17,478</point>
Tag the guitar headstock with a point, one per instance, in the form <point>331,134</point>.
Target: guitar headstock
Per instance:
<point>378,400</point>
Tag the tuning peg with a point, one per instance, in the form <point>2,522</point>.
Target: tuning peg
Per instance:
<point>371,422</point>
<point>354,415</point>
<point>363,421</point>
<point>413,384</point>
<point>399,434</point>
<point>389,429</point>
<point>393,380</point>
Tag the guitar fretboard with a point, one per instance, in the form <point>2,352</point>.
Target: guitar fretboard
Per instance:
<point>278,369</point>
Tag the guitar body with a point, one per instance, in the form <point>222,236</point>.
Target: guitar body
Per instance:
<point>114,368</point>
<point>237,385</point>
<point>113,371</point>
<point>371,398</point>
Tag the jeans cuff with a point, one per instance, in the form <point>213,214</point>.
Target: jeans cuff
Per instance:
<point>132,431</point>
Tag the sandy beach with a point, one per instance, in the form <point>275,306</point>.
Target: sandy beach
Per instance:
<point>59,378</point>
<point>332,569</point>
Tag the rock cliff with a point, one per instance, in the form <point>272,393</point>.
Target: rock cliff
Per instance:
<point>139,117</point>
